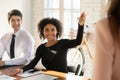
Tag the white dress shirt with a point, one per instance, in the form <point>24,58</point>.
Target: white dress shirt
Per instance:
<point>24,47</point>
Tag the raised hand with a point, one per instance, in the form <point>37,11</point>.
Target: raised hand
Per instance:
<point>82,19</point>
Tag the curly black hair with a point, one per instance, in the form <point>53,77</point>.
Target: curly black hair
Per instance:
<point>52,21</point>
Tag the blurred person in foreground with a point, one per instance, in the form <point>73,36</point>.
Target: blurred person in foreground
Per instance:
<point>107,45</point>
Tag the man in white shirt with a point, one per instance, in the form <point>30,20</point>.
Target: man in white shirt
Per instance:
<point>23,42</point>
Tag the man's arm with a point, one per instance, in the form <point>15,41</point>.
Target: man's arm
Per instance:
<point>27,53</point>
<point>2,63</point>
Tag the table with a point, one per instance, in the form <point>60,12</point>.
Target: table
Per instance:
<point>60,75</point>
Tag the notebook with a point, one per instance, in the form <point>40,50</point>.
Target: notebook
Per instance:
<point>30,72</point>
<point>41,77</point>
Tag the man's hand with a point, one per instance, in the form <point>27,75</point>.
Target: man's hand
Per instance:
<point>16,71</point>
<point>82,18</point>
<point>2,63</point>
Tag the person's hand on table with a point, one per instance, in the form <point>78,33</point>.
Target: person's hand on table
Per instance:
<point>2,63</point>
<point>16,71</point>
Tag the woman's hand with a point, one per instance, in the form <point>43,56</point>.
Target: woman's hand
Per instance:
<point>82,18</point>
<point>16,71</point>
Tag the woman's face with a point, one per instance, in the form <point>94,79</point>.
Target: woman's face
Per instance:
<point>50,32</point>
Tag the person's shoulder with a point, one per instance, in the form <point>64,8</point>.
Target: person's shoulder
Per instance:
<point>41,46</point>
<point>63,40</point>
<point>102,28</point>
<point>26,34</point>
<point>102,24</point>
<point>24,31</point>
<point>8,34</point>
<point>102,21</point>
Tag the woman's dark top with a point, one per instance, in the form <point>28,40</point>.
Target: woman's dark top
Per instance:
<point>54,57</point>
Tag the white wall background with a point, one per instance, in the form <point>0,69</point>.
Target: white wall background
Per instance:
<point>6,5</point>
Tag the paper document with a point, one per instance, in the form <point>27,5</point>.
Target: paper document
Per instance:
<point>41,77</point>
<point>30,73</point>
<point>73,77</point>
<point>6,77</point>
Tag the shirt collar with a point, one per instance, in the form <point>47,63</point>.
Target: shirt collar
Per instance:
<point>18,32</point>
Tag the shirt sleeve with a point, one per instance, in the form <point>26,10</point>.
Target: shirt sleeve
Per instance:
<point>33,63</point>
<point>2,47</point>
<point>27,53</point>
<point>103,57</point>
<point>78,40</point>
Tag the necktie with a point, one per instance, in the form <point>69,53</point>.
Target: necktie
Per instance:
<point>12,46</point>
